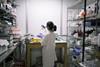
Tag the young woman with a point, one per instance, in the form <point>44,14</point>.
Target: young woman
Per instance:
<point>48,43</point>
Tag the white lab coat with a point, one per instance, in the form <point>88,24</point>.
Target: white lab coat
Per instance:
<point>48,50</point>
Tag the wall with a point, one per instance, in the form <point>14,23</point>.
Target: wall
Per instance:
<point>41,11</point>
<point>21,15</point>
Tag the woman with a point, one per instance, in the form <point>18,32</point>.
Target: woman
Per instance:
<point>48,43</point>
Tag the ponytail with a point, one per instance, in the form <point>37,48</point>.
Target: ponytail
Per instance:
<point>55,27</point>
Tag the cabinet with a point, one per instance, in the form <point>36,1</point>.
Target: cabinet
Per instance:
<point>83,29</point>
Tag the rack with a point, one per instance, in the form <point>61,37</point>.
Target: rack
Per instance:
<point>7,21</point>
<point>76,18</point>
<point>80,4</point>
<point>7,17</point>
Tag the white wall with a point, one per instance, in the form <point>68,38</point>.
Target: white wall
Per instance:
<point>21,15</point>
<point>41,11</point>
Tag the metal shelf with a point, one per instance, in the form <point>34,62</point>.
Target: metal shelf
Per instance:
<point>87,18</point>
<point>83,4</point>
<point>80,4</point>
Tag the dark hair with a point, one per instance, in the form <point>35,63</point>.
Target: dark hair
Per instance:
<point>55,27</point>
<point>50,26</point>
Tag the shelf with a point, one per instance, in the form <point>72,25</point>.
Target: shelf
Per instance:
<point>7,53</point>
<point>87,18</point>
<point>4,35</point>
<point>80,4</point>
<point>72,37</point>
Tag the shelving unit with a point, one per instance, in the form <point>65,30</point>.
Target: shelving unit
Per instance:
<point>7,21</point>
<point>77,22</point>
<point>7,17</point>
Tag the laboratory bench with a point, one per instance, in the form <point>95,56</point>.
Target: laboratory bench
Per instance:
<point>34,45</point>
